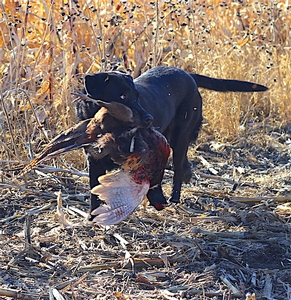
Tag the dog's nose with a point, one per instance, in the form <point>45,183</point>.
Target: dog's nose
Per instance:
<point>148,119</point>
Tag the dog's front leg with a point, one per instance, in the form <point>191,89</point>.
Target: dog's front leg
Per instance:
<point>176,191</point>
<point>156,197</point>
<point>181,169</point>
<point>97,168</point>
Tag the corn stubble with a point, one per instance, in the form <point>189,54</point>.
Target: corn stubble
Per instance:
<point>48,46</point>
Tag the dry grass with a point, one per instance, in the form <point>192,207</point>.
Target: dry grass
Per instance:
<point>228,241</point>
<point>47,47</point>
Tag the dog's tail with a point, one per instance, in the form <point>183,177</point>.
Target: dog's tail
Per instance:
<point>227,85</point>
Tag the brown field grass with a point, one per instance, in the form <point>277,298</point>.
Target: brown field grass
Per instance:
<point>48,46</point>
<point>230,236</point>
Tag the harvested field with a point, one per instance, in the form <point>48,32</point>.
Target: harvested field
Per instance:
<point>230,238</point>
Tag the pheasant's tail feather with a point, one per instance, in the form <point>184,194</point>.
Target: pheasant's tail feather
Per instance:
<point>121,194</point>
<point>71,139</point>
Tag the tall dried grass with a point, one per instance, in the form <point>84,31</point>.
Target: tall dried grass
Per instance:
<point>46,47</point>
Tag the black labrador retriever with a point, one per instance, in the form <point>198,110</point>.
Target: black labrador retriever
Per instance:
<point>166,97</point>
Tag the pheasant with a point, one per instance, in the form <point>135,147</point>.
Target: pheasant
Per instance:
<point>123,190</point>
<point>99,134</point>
<point>140,153</point>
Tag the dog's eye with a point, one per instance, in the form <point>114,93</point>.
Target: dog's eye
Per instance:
<point>122,97</point>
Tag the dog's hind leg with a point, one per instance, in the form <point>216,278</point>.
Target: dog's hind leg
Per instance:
<point>179,153</point>
<point>187,125</point>
<point>187,173</point>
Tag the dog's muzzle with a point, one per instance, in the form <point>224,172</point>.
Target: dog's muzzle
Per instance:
<point>146,118</point>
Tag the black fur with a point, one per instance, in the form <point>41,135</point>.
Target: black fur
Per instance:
<point>169,95</point>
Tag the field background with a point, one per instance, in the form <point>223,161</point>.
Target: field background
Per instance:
<point>46,48</point>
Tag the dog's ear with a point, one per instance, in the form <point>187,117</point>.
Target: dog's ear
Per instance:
<point>129,79</point>
<point>95,84</point>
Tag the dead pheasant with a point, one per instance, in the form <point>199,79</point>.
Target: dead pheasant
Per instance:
<point>99,134</point>
<point>141,153</point>
<point>124,190</point>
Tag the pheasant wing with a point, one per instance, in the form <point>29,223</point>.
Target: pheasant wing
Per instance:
<point>122,196</point>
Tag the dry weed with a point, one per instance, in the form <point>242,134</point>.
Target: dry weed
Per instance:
<point>48,46</point>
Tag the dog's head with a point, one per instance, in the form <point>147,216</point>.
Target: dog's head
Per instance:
<point>116,86</point>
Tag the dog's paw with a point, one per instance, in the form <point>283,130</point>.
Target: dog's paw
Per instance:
<point>174,200</point>
<point>175,196</point>
<point>90,217</point>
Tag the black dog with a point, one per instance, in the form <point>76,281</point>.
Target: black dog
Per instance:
<point>169,98</point>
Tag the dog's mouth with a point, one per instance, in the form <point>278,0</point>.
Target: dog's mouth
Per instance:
<point>145,118</point>
<point>148,120</point>
<point>149,125</point>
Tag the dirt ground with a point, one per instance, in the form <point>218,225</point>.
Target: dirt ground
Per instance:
<point>228,239</point>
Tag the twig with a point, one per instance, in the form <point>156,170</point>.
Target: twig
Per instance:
<point>51,296</point>
<point>230,285</point>
<point>57,295</point>
<point>199,218</point>
<point>282,199</point>
<point>191,291</point>
<point>217,178</point>
<point>99,267</point>
<point>63,286</point>
<point>60,213</point>
<point>139,263</point>
<point>156,33</point>
<point>85,97</point>
<point>53,170</point>
<point>240,235</point>
<point>32,212</point>
<point>122,241</point>
<point>73,209</point>
<point>2,98</point>
<point>13,182</point>
<point>27,231</point>
<point>267,291</point>
<point>18,294</point>
<point>73,282</point>
<point>207,165</point>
